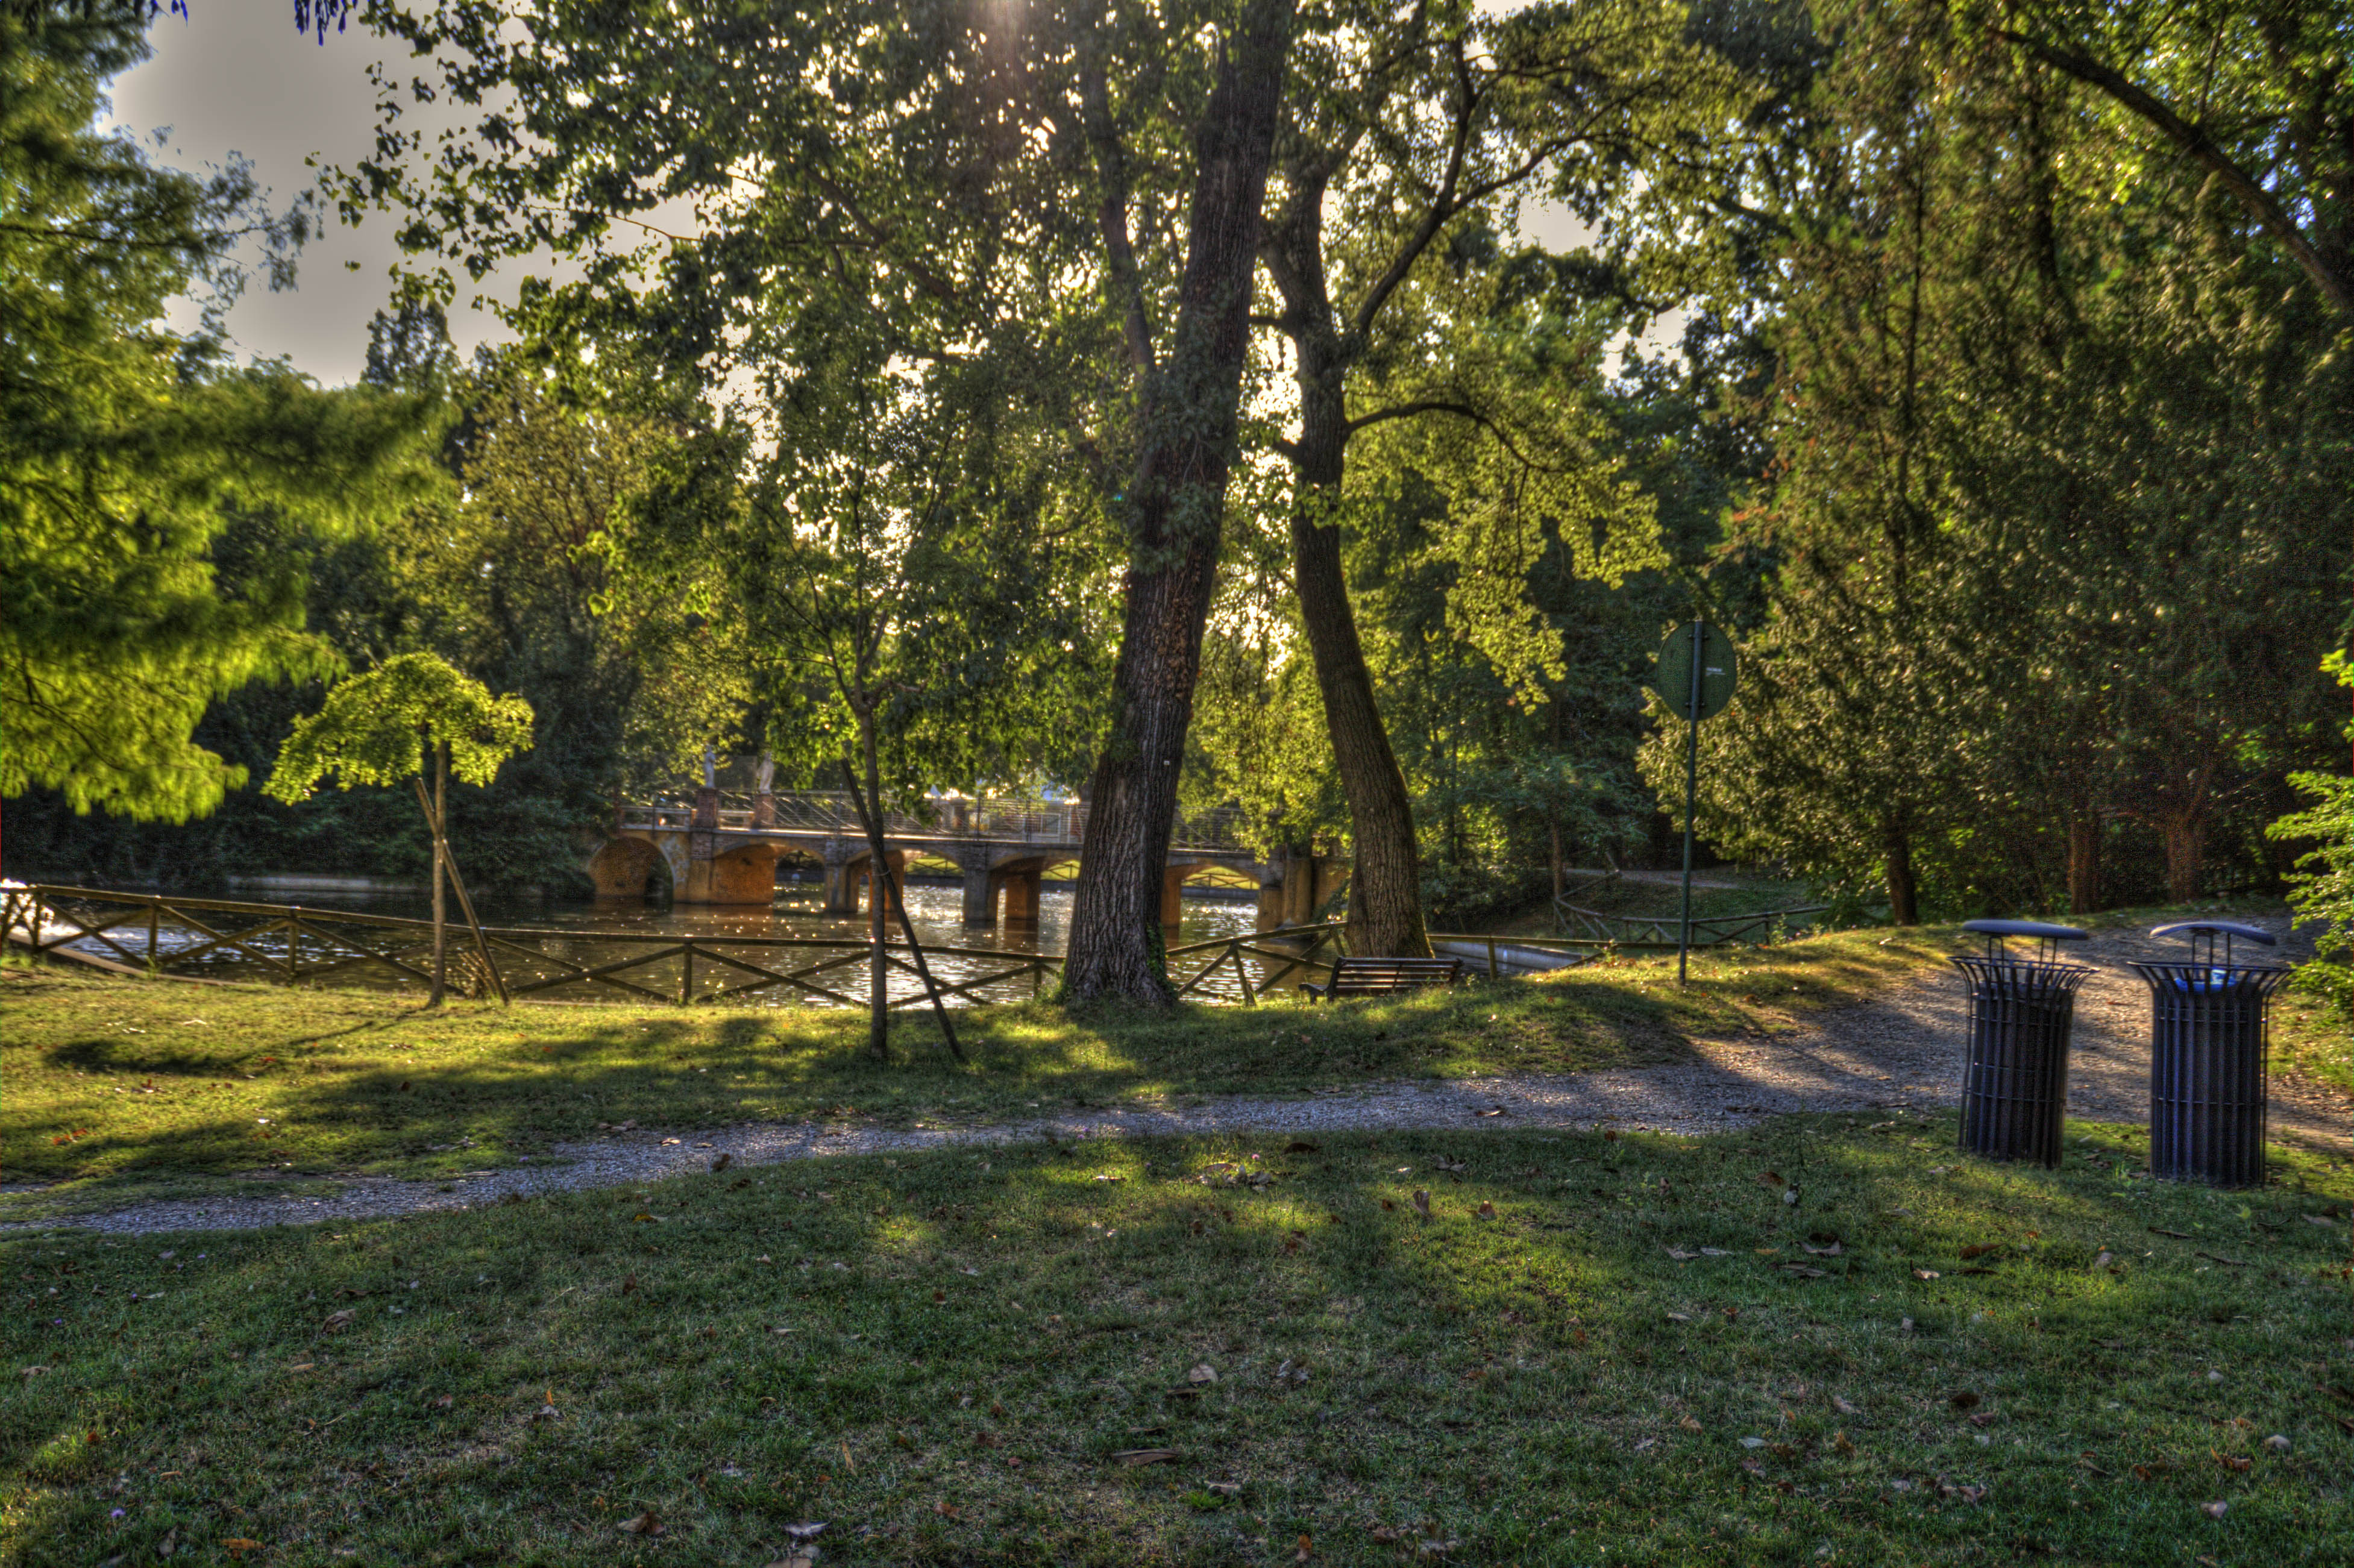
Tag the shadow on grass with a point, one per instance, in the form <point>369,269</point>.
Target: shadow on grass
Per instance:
<point>1638,1342</point>
<point>117,1083</point>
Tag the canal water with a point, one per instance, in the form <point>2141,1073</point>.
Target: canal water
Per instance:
<point>936,912</point>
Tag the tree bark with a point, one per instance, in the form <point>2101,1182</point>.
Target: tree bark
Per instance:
<point>440,757</point>
<point>1385,887</point>
<point>879,894</point>
<point>2185,832</point>
<point>1175,521</point>
<point>2083,864</point>
<point>1903,897</point>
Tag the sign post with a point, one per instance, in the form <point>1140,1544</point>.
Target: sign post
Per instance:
<point>1695,677</point>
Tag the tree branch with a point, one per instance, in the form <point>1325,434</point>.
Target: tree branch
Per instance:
<point>1443,207</point>
<point>1461,412</point>
<point>1111,213</point>
<point>2196,144</point>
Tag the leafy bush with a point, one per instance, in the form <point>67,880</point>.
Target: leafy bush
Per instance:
<point>2322,887</point>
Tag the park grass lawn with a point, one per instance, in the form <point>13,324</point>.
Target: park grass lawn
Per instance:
<point>118,1088</point>
<point>957,1357</point>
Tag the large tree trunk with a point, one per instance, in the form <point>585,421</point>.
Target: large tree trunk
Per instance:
<point>1176,518</point>
<point>1903,897</point>
<point>2083,862</point>
<point>1385,888</point>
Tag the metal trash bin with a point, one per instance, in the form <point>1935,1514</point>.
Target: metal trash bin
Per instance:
<point>2015,1088</point>
<point>2207,1082</point>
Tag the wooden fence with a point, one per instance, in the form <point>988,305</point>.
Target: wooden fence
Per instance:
<point>300,945</point>
<point>1591,926</point>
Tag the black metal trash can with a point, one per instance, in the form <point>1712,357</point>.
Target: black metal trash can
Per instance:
<point>2015,1088</point>
<point>2207,1091</point>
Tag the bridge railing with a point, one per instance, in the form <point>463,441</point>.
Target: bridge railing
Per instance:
<point>1020,819</point>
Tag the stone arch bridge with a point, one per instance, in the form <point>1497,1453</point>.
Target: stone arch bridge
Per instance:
<point>722,847</point>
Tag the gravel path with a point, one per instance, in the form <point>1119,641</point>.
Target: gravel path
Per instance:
<point>1898,1050</point>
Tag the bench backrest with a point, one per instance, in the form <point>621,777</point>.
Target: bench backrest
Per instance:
<point>1370,976</point>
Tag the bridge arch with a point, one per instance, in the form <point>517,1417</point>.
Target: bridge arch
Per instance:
<point>630,868</point>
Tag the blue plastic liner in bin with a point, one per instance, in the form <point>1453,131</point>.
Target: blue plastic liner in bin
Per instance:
<point>2207,1089</point>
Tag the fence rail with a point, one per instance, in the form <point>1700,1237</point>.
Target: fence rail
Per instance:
<point>1592,925</point>
<point>297,944</point>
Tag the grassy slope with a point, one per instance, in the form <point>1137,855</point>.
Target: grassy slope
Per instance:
<point>113,1084</point>
<point>942,1355</point>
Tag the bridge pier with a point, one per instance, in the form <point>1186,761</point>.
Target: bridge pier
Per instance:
<point>1172,889</point>
<point>979,883</point>
<point>1293,888</point>
<point>1021,894</point>
<point>896,862</point>
<point>1270,894</point>
<point>840,880</point>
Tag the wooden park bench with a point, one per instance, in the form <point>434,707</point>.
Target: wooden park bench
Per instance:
<point>1384,976</point>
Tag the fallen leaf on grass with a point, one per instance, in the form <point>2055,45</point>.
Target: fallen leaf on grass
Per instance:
<point>1689,1424</point>
<point>1926,1274</point>
<point>1841,1443</point>
<point>645,1524</point>
<point>1801,1271</point>
<point>948,1510</point>
<point>1833,1250</point>
<point>1422,1203</point>
<point>2233,1461</point>
<point>239,1545</point>
<point>1843,1407</point>
<point>1680,1256</point>
<point>1679,1317</point>
<point>1443,1163</point>
<point>1205,1373</point>
<point>722,1161</point>
<point>2102,1261</point>
<point>1144,1456</point>
<point>338,1321</point>
<point>442,1401</point>
<point>1307,1549</point>
<point>1771,1179</point>
<point>2214,1510</point>
<point>1486,1211</point>
<point>1493,1111</point>
<point>1975,1250</point>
